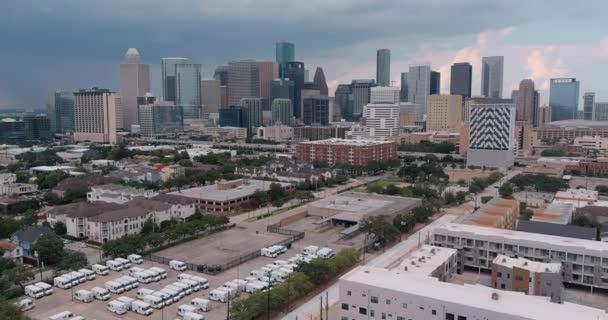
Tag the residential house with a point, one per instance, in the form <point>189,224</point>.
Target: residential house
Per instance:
<point>25,238</point>
<point>11,251</point>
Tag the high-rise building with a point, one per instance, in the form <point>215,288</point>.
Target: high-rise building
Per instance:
<point>536,106</point>
<point>315,110</point>
<point>64,111</point>
<point>267,71</point>
<point>381,121</point>
<point>243,81</point>
<point>435,86</point>
<point>134,82</point>
<point>188,85</point>
<point>36,127</point>
<point>285,52</point>
<point>444,112</point>
<point>168,76</point>
<point>211,95</point>
<point>419,84</point>
<point>600,111</point>
<point>384,95</point>
<point>319,80</point>
<point>281,111</point>
<point>344,99</point>
<point>221,74</point>
<point>232,116</point>
<point>252,114</point>
<point>361,91</point>
<point>492,133</point>
<point>588,102</point>
<point>404,87</point>
<point>461,76</point>
<point>160,118</point>
<point>543,115</point>
<point>294,71</point>
<point>282,89</point>
<point>492,73</point>
<point>563,98</point>
<point>383,67</point>
<point>95,115</point>
<point>525,101</point>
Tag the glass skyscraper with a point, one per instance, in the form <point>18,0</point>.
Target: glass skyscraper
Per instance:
<point>588,102</point>
<point>461,75</point>
<point>285,52</point>
<point>168,76</point>
<point>403,95</point>
<point>435,86</point>
<point>563,98</point>
<point>295,72</point>
<point>64,111</point>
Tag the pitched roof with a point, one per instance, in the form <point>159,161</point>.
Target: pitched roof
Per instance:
<point>83,209</point>
<point>7,245</point>
<point>173,199</point>
<point>553,229</point>
<point>31,234</point>
<point>135,208</point>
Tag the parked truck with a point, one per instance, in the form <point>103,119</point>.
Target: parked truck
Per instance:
<point>101,293</point>
<point>141,307</point>
<point>48,289</point>
<point>182,309</point>
<point>33,291</point>
<point>24,304</point>
<point>85,296</point>
<point>101,270</point>
<point>117,307</point>
<point>155,301</point>
<point>160,271</point>
<point>114,265</point>
<point>219,295</point>
<point>62,282</point>
<point>114,287</point>
<point>126,264</point>
<point>65,315</point>
<point>88,274</point>
<point>192,316</point>
<point>177,265</point>
<point>127,301</point>
<point>135,258</point>
<point>201,304</point>
<point>204,282</point>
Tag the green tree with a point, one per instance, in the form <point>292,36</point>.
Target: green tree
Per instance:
<point>72,261</point>
<point>19,275</point>
<point>379,227</point>
<point>276,192</point>
<point>60,228</point>
<point>49,247</point>
<point>506,190</point>
<point>261,197</point>
<point>9,311</point>
<point>154,239</point>
<point>526,214</point>
<point>148,226</point>
<point>8,225</point>
<point>30,218</point>
<point>185,163</point>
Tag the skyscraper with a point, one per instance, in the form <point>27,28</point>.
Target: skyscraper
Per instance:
<point>536,107</point>
<point>404,87</point>
<point>319,80</point>
<point>64,111</point>
<point>221,74</point>
<point>361,91</point>
<point>461,76</point>
<point>232,116</point>
<point>281,111</point>
<point>282,89</point>
<point>383,67</point>
<point>315,110</point>
<point>168,76</point>
<point>267,71</point>
<point>134,82</point>
<point>384,95</point>
<point>419,84</point>
<point>492,69</point>
<point>444,112</point>
<point>588,102</point>
<point>525,101</point>
<point>243,81</point>
<point>294,71</point>
<point>285,52</point>
<point>435,86</point>
<point>160,118</point>
<point>252,114</point>
<point>563,98</point>
<point>600,111</point>
<point>188,84</point>
<point>95,115</point>
<point>344,99</point>
<point>210,95</point>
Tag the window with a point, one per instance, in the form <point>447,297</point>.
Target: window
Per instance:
<point>372,313</point>
<point>404,305</point>
<point>345,306</point>
<point>362,311</point>
<point>502,286</point>
<point>449,316</point>
<point>344,318</point>
<point>388,301</point>
<point>462,318</point>
<point>373,299</point>
<point>434,312</point>
<point>400,318</point>
<point>383,316</point>
<point>519,278</point>
<point>499,274</point>
<point>348,293</point>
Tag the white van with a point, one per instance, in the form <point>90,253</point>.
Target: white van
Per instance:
<point>62,282</point>
<point>241,283</point>
<point>257,273</point>
<point>141,293</point>
<point>79,276</point>
<point>126,264</point>
<point>263,284</point>
<point>24,304</point>
<point>155,301</point>
<point>84,296</point>
<point>144,276</point>
<point>219,295</point>
<point>115,287</point>
<point>135,258</point>
<point>182,309</point>
<point>114,265</point>
<point>101,293</point>
<point>310,250</point>
<point>181,292</point>
<point>126,285</point>
<point>135,270</point>
<point>174,296</point>
<point>161,271</point>
<point>141,307</point>
<point>165,297</point>
<point>185,288</point>
<point>254,287</point>
<point>195,285</point>
<point>204,282</point>
<point>251,279</point>
<point>48,289</point>
<point>183,276</point>
<point>235,288</point>
<point>192,316</point>
<point>101,270</point>
<point>88,274</point>
<point>177,265</point>
<point>278,276</point>
<point>201,304</point>
<point>326,253</point>
<point>77,318</point>
<point>127,301</point>
<point>156,276</point>
<point>33,291</point>
<point>132,281</point>
<point>270,252</point>
<point>65,315</point>
<point>280,262</point>
<point>273,266</point>
<point>117,307</point>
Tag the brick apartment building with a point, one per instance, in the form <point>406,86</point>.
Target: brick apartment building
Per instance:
<point>349,152</point>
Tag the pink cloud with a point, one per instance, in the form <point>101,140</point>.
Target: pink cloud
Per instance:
<point>543,64</point>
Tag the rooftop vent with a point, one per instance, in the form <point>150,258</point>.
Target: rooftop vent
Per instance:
<point>494,295</point>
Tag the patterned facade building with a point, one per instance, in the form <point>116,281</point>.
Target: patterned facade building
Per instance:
<point>491,138</point>
<point>349,152</point>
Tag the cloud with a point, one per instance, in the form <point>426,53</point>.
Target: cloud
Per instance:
<point>543,64</point>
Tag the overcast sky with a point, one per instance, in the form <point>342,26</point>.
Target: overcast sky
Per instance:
<point>70,44</point>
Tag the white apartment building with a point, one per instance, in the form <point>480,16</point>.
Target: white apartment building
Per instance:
<point>380,121</point>
<point>115,193</point>
<point>384,95</point>
<point>9,185</point>
<point>275,133</point>
<point>431,261</point>
<point>96,115</point>
<point>8,178</point>
<point>375,293</point>
<point>584,262</point>
<point>593,144</point>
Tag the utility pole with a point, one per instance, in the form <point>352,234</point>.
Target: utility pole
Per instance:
<point>228,310</point>
<point>326,305</point>
<point>321,308</point>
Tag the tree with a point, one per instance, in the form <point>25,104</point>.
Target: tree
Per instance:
<point>506,190</point>
<point>19,275</point>
<point>277,192</point>
<point>60,228</point>
<point>9,311</point>
<point>392,189</point>
<point>526,214</point>
<point>49,247</point>
<point>261,197</point>
<point>148,226</point>
<point>304,195</point>
<point>30,218</point>
<point>185,163</point>
<point>154,239</point>
<point>8,226</point>
<point>73,261</point>
<point>341,179</point>
<point>382,231</point>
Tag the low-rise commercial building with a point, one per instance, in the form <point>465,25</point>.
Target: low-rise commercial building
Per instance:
<point>431,261</point>
<point>577,197</point>
<point>559,213</point>
<point>349,152</point>
<point>555,229</point>
<point>275,133</point>
<point>497,213</point>
<point>116,193</point>
<point>527,276</point>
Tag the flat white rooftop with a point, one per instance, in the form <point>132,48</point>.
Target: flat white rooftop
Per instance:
<point>532,266</point>
<point>345,142</point>
<point>212,193</point>
<point>425,260</point>
<point>511,303</point>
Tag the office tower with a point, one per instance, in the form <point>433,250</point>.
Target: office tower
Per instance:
<point>95,115</point>
<point>536,106</point>
<point>381,121</point>
<point>310,89</point>
<point>404,87</point>
<point>344,99</point>
<point>492,70</point>
<point>148,98</point>
<point>160,118</point>
<point>525,102</point>
<point>515,97</point>
<point>435,86</point>
<point>211,95</point>
<point>232,116</point>
<point>492,133</point>
<point>223,96</point>
<point>315,110</point>
<point>134,82</point>
<point>294,71</point>
<point>282,111</point>
<point>319,80</point>
<point>384,95</point>
<point>188,89</point>
<point>282,89</point>
<point>221,74</point>
<point>461,76</point>
<point>588,103</point>
<point>168,76</point>
<point>361,91</point>
<point>267,71</point>
<point>285,52</point>
<point>120,123</point>
<point>418,84</point>
<point>36,127</point>
<point>444,113</point>
<point>543,115</point>
<point>600,111</point>
<point>563,98</point>
<point>252,114</point>
<point>383,67</point>
<point>243,81</point>
<point>64,111</point>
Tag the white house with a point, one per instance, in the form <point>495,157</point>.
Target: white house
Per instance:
<point>11,251</point>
